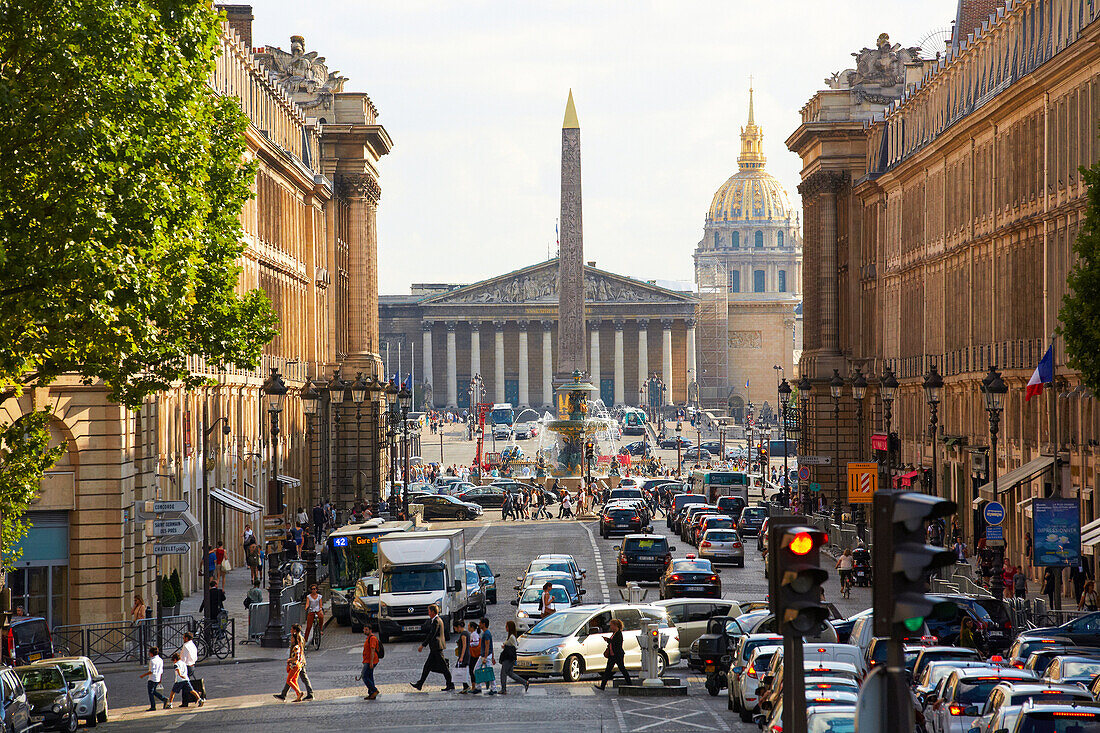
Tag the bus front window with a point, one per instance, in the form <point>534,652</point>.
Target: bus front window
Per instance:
<point>350,558</point>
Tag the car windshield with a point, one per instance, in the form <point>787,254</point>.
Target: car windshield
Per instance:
<point>1059,721</point>
<point>532,595</point>
<point>754,513</point>
<point>751,645</point>
<point>413,580</point>
<point>838,722</point>
<point>692,566</point>
<point>713,536</point>
<point>562,623</point>
<point>974,692</point>
<point>73,671</point>
<point>1080,669</point>
<point>655,545</point>
<point>472,578</point>
<point>537,582</point>
<point>549,566</point>
<point>46,678</point>
<point>719,523</point>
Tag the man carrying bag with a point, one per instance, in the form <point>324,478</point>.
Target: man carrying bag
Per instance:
<point>434,640</point>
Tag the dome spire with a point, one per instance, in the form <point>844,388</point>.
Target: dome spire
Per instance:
<point>752,140</point>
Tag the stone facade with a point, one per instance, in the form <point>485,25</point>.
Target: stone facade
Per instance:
<point>310,240</point>
<point>939,232</point>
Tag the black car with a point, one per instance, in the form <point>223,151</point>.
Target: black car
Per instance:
<point>487,497</point>
<point>29,639</point>
<point>642,557</point>
<point>51,705</point>
<point>696,454</point>
<point>477,605</point>
<point>690,578</point>
<point>637,448</point>
<point>713,446</point>
<point>752,517</point>
<point>988,635</point>
<point>731,506</point>
<point>15,711</point>
<point>1084,630</point>
<point>447,507</point>
<point>673,442</point>
<point>620,519</point>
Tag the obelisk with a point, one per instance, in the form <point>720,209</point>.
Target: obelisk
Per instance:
<point>571,351</point>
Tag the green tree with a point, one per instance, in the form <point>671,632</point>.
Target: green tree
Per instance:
<point>1080,312</point>
<point>123,182</point>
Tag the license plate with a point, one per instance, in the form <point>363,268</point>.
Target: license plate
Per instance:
<point>34,657</point>
<point>695,588</point>
<point>710,668</point>
<point>410,628</point>
<point>37,718</point>
<point>622,524</point>
<point>996,633</point>
<point>521,663</point>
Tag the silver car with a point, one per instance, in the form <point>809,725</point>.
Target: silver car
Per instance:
<point>572,642</point>
<point>527,605</point>
<point>86,686</point>
<point>722,546</point>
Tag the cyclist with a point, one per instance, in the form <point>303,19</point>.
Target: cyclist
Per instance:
<point>315,612</point>
<point>844,563</point>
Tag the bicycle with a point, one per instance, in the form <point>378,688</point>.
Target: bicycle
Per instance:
<point>846,583</point>
<point>315,635</point>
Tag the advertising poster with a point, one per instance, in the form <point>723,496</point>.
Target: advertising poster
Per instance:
<point>1056,529</point>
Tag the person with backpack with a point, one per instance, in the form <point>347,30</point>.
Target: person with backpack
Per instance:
<point>373,652</point>
<point>434,640</point>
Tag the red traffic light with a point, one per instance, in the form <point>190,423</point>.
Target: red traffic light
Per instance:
<point>802,543</point>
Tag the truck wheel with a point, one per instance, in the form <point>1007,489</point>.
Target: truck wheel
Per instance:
<point>571,671</point>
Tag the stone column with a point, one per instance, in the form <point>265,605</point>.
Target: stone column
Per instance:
<point>594,355</point>
<point>620,382</point>
<point>498,373</point>
<point>426,356</point>
<point>643,356</point>
<point>524,366</point>
<point>547,363</point>
<point>363,193</point>
<point>666,357</point>
<point>692,370</point>
<point>452,366</point>
<point>823,187</point>
<point>475,348</point>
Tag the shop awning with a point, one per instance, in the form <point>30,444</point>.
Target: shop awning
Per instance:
<point>1017,476</point>
<point>906,479</point>
<point>290,481</point>
<point>236,502</point>
<point>1090,534</point>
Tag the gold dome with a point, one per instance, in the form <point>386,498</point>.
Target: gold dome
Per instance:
<point>751,194</point>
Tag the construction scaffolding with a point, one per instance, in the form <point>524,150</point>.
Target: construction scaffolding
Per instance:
<point>713,333</point>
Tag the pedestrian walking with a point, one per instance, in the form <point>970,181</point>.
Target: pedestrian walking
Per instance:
<point>1087,600</point>
<point>302,677</point>
<point>372,654</point>
<point>566,507</point>
<point>1049,584</point>
<point>223,565</point>
<point>506,507</point>
<point>474,634</point>
<point>508,660</point>
<point>488,657</point>
<point>294,664</point>
<point>615,655</point>
<point>217,602</point>
<point>255,594</point>
<point>435,642</point>
<point>182,684</point>
<point>154,673</point>
<point>189,654</point>
<point>462,654</point>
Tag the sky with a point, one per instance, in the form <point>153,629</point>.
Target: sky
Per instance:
<point>473,94</point>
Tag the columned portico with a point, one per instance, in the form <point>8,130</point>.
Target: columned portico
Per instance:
<point>619,371</point>
<point>498,365</point>
<point>643,357</point>
<point>666,358</point>
<point>426,355</point>
<point>547,362</point>
<point>452,365</point>
<point>524,366</point>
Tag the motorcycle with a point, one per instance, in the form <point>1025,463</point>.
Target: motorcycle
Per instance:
<point>861,567</point>
<point>714,652</point>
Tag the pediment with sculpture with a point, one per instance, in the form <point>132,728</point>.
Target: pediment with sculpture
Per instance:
<point>539,284</point>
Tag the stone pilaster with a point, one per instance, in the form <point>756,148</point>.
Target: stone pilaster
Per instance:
<point>524,367</point>
<point>426,356</point>
<point>594,357</point>
<point>452,366</point>
<point>362,192</point>
<point>475,348</point>
<point>666,358</point>
<point>620,381</point>
<point>498,370</point>
<point>643,356</point>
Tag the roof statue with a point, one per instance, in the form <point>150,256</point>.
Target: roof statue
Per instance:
<point>878,71</point>
<point>305,76</point>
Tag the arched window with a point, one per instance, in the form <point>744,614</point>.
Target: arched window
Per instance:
<point>779,238</point>
<point>759,239</point>
<point>782,280</point>
<point>735,281</point>
<point>735,240</point>
<point>757,281</point>
<point>716,240</point>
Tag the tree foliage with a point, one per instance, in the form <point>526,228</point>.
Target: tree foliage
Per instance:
<point>25,454</point>
<point>1080,312</point>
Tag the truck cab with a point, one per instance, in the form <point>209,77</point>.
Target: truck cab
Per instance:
<point>419,569</point>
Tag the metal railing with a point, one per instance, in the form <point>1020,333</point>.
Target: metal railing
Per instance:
<point>124,641</point>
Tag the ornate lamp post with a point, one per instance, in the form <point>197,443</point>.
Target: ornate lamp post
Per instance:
<point>390,392</point>
<point>889,391</point>
<point>784,390</point>
<point>404,398</point>
<point>859,392</point>
<point>275,390</point>
<point>337,388</point>
<point>933,388</point>
<point>311,399</point>
<point>805,388</point>
<point>679,461</point>
<point>358,394</point>
<point>749,407</point>
<point>994,391</point>
<point>836,386</point>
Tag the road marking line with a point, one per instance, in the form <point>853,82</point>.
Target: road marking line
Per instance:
<point>618,713</point>
<point>477,537</point>
<point>599,563</point>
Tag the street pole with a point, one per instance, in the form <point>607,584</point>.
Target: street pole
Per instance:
<point>276,390</point>
<point>994,389</point>
<point>205,511</point>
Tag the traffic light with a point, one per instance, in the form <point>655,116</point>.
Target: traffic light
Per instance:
<point>904,561</point>
<point>590,451</point>
<point>796,578</point>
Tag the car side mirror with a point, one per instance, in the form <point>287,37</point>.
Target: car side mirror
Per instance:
<point>372,591</point>
<point>497,575</point>
<point>515,587</point>
<point>457,586</point>
<point>971,710</point>
<point>515,603</point>
<point>97,678</point>
<point>581,592</point>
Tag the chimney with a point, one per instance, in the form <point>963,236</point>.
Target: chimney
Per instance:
<point>240,21</point>
<point>969,18</point>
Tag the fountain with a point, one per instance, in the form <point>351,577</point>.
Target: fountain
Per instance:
<point>573,428</point>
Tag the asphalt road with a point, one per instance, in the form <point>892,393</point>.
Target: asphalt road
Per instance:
<point>240,694</point>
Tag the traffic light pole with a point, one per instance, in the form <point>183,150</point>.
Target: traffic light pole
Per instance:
<point>794,684</point>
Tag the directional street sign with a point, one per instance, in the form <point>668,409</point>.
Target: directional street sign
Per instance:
<point>169,527</point>
<point>862,482</point>
<point>815,460</point>
<point>172,548</point>
<point>146,510</point>
<point>274,528</point>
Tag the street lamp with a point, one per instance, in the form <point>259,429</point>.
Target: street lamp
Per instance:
<point>836,386</point>
<point>679,461</point>
<point>390,392</point>
<point>859,392</point>
<point>337,388</point>
<point>889,389</point>
<point>805,388</point>
<point>994,391</point>
<point>358,394</point>
<point>933,388</point>
<point>275,390</point>
<point>404,398</point>
<point>784,390</point>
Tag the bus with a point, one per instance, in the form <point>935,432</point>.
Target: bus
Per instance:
<point>633,421</point>
<point>502,418</point>
<point>775,448</point>
<point>352,553</point>
<point>713,484</point>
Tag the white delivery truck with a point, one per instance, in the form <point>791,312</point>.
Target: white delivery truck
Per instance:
<point>419,569</point>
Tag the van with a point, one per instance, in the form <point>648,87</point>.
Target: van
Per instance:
<point>679,502</point>
<point>863,633</point>
<point>28,641</point>
<point>846,653</point>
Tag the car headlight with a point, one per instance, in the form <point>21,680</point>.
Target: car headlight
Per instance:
<point>56,707</point>
<point>359,603</point>
<point>79,693</point>
<point>553,651</point>
<point>383,609</point>
<point>521,614</point>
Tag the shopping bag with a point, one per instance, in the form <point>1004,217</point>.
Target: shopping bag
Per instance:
<point>484,674</point>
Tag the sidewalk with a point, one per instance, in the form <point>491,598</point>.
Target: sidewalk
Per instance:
<point>238,581</point>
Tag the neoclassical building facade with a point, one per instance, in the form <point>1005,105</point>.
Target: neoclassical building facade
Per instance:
<point>505,329</point>
<point>941,211</point>
<point>310,245</point>
<point>748,268</point>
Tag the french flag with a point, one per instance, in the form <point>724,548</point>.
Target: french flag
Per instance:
<point>1044,374</point>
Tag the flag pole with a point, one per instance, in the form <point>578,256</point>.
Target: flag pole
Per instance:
<point>1055,480</point>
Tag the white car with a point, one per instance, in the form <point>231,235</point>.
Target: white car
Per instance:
<point>86,686</point>
<point>751,678</point>
<point>739,659</point>
<point>527,605</point>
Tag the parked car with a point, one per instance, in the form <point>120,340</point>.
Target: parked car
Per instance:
<point>637,448</point>
<point>487,497</point>
<point>488,580</point>
<point>28,640</point>
<point>447,507</point>
<point>86,685</point>
<point>696,454</point>
<point>642,557</point>
<point>673,442</point>
<point>52,707</point>
<point>15,711</point>
<point>690,577</point>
